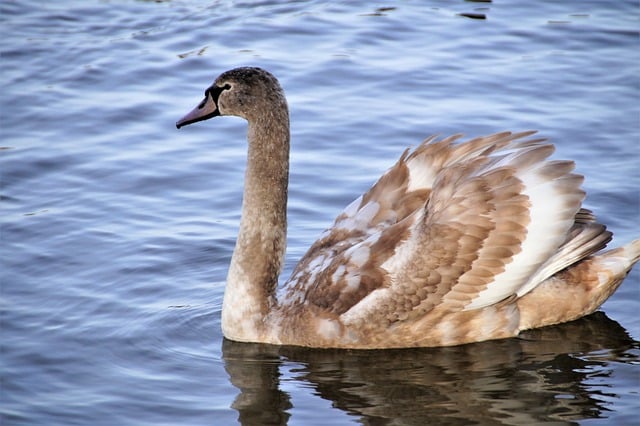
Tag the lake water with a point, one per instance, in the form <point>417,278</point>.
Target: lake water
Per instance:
<point>117,229</point>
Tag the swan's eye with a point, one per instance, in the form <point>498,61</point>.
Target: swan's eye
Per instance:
<point>214,91</point>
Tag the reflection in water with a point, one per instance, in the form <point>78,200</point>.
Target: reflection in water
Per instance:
<point>538,377</point>
<point>254,370</point>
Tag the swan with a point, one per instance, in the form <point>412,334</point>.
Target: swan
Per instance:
<point>457,242</point>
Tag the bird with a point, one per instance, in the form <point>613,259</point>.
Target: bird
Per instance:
<point>457,242</point>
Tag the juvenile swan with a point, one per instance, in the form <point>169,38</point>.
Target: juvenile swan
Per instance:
<point>455,243</point>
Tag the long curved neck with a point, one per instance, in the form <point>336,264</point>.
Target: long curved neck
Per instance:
<point>259,253</point>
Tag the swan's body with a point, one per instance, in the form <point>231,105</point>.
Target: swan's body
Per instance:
<point>456,243</point>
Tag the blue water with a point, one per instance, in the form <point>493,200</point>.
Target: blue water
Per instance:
<point>117,229</point>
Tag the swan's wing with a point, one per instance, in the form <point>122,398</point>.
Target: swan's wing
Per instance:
<point>466,225</point>
<point>585,238</point>
<point>334,273</point>
<point>487,234</point>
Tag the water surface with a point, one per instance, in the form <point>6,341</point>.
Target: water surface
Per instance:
<point>117,230</point>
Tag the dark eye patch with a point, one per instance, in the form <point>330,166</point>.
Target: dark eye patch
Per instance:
<point>214,91</point>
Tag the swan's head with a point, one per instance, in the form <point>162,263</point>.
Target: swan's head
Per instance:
<point>246,92</point>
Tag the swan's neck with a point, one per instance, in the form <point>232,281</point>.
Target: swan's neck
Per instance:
<point>259,253</point>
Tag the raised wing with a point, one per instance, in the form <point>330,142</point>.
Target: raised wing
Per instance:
<point>463,225</point>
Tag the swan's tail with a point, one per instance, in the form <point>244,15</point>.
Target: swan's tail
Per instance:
<point>578,290</point>
<point>619,261</point>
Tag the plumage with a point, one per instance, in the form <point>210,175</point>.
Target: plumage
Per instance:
<point>457,242</point>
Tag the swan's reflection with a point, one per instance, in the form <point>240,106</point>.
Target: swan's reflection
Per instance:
<point>538,377</point>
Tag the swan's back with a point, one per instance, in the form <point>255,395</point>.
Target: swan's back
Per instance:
<point>451,227</point>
